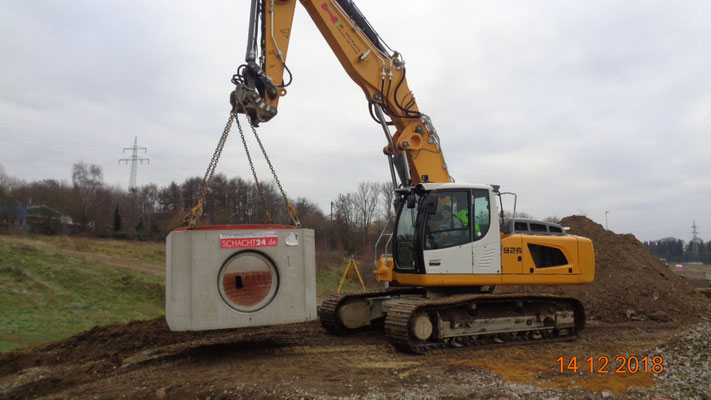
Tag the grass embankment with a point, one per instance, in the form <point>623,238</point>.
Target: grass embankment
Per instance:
<point>144,251</point>
<point>52,287</point>
<point>46,297</point>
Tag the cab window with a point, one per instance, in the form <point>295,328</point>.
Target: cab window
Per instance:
<point>404,245</point>
<point>450,224</point>
<point>482,213</point>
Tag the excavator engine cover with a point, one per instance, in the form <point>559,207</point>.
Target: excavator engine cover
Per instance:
<point>239,275</point>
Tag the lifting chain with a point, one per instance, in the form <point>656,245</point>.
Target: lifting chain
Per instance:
<point>191,219</point>
<point>290,208</point>
<point>254,173</point>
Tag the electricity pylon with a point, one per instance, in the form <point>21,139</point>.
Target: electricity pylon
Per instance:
<point>135,160</point>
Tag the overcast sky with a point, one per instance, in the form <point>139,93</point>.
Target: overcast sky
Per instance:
<point>579,107</point>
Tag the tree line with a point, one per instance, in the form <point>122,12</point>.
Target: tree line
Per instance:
<point>672,249</point>
<point>150,212</point>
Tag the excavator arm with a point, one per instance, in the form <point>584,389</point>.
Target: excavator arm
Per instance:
<point>413,150</point>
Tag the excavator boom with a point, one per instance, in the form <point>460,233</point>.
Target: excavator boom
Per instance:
<point>413,149</point>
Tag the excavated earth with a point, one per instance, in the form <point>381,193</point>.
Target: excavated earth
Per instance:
<point>630,283</point>
<point>636,307</point>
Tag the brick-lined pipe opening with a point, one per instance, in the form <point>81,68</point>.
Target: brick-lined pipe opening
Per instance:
<point>248,281</point>
<point>247,289</point>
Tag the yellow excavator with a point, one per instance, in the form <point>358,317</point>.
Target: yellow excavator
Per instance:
<point>451,243</point>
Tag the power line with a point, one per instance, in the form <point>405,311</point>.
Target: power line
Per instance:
<point>135,160</point>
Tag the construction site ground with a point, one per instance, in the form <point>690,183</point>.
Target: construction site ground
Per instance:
<point>637,308</point>
<point>146,360</point>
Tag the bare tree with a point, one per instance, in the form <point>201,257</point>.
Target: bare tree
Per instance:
<point>189,192</point>
<point>4,187</point>
<point>87,180</point>
<point>9,202</point>
<point>218,199</point>
<point>88,177</point>
<point>170,199</point>
<point>554,219</point>
<point>147,198</point>
<point>387,196</point>
<point>7,182</point>
<point>366,202</point>
<point>310,214</point>
<point>3,180</point>
<point>519,214</point>
<point>344,223</point>
<point>243,200</point>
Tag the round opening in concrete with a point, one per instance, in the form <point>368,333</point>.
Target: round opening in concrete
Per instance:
<point>248,281</point>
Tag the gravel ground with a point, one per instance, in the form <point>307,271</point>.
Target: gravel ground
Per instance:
<point>686,375</point>
<point>687,365</point>
<point>143,360</point>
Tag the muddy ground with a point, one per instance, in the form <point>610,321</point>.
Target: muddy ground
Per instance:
<point>145,360</point>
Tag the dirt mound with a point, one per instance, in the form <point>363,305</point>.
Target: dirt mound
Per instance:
<point>104,350</point>
<point>107,346</point>
<point>630,283</point>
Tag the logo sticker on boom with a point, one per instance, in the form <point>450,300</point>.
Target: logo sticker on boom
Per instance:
<point>354,41</point>
<point>249,240</point>
<point>334,19</point>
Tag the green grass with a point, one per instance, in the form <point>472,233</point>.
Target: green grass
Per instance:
<point>45,297</point>
<point>145,251</point>
<point>329,277</point>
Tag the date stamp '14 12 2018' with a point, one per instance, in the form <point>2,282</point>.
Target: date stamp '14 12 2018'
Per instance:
<point>621,365</point>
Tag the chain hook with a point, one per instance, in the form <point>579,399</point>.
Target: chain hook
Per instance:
<point>292,214</point>
<point>268,217</point>
<point>191,219</point>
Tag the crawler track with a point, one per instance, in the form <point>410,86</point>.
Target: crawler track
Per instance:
<point>476,331</point>
<point>328,311</point>
<point>462,320</point>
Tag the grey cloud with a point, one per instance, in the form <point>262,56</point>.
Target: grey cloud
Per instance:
<point>578,106</point>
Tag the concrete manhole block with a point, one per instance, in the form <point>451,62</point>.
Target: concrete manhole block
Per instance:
<point>239,275</point>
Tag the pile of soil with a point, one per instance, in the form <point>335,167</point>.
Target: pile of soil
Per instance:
<point>630,283</point>
<point>104,350</point>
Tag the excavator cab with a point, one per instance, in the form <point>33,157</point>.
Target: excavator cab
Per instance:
<point>448,229</point>
<point>454,235</point>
